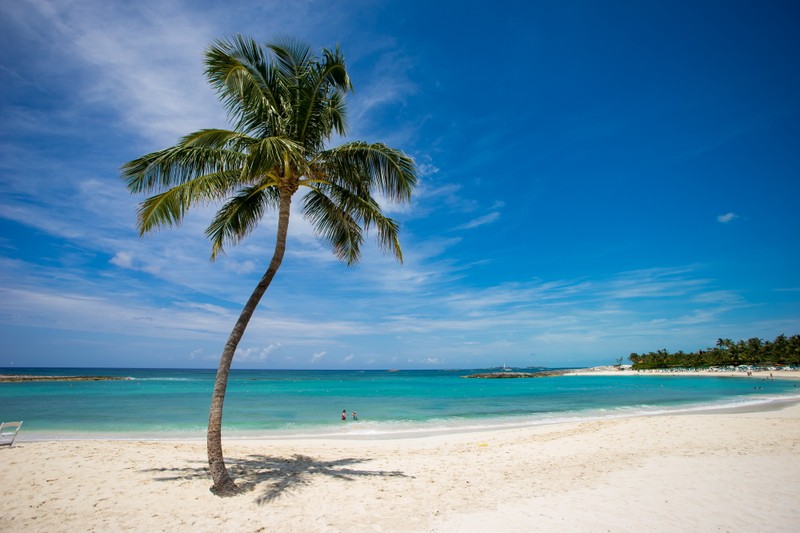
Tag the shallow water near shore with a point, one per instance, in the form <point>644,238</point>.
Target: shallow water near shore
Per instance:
<point>162,404</point>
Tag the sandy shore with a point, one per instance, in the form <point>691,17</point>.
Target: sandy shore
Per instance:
<point>726,471</point>
<point>626,371</point>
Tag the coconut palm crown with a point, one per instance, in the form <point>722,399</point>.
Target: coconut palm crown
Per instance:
<point>285,104</point>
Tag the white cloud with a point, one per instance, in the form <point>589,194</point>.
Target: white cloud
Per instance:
<point>198,355</point>
<point>480,221</point>
<point>122,260</point>
<point>388,83</point>
<point>141,59</point>
<point>256,354</point>
<point>241,267</point>
<point>135,73</point>
<point>425,166</point>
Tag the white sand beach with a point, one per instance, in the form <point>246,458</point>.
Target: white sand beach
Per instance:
<point>723,471</point>
<point>625,370</point>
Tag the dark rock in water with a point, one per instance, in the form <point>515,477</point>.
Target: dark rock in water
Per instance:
<point>19,378</point>
<point>502,375</point>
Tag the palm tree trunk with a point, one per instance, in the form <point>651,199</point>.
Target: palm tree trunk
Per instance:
<point>223,484</point>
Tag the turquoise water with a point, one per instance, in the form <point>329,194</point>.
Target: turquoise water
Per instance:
<point>174,403</point>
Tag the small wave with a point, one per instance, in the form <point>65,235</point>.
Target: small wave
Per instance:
<point>410,429</point>
<point>160,379</point>
<point>405,429</point>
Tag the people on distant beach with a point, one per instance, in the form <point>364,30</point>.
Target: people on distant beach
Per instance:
<point>355,415</point>
<point>344,414</point>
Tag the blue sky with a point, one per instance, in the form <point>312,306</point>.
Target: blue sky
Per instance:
<point>596,179</point>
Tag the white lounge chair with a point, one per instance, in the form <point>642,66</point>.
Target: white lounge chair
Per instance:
<point>8,432</point>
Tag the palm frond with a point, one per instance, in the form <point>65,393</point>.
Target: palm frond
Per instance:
<point>388,235</point>
<point>358,207</point>
<point>293,57</point>
<point>334,70</point>
<point>321,107</point>
<point>198,154</point>
<point>273,152</point>
<point>169,207</point>
<point>337,113</point>
<point>334,224</point>
<point>246,81</point>
<point>217,138</point>
<point>240,215</point>
<point>387,170</point>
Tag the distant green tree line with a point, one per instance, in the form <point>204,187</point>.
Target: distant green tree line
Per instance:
<point>781,351</point>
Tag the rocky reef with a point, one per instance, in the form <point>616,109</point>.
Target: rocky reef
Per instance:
<point>511,375</point>
<point>21,378</point>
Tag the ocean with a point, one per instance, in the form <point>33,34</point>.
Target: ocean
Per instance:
<point>173,404</point>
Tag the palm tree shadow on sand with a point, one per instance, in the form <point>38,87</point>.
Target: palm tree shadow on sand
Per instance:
<point>280,474</point>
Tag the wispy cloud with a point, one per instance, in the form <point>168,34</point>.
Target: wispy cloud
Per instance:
<point>98,83</point>
<point>451,323</point>
<point>122,259</point>
<point>141,60</point>
<point>425,167</point>
<point>256,354</point>
<point>480,221</point>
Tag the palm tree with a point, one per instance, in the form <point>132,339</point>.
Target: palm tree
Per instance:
<point>285,104</point>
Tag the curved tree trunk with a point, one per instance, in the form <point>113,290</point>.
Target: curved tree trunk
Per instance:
<point>223,484</point>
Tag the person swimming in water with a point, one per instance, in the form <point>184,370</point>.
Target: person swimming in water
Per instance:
<point>344,414</point>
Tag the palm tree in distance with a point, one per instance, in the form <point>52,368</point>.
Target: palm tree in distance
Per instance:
<point>285,103</point>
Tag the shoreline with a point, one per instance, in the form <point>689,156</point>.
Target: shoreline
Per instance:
<point>793,374</point>
<point>380,431</point>
<point>367,430</point>
<point>666,472</point>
